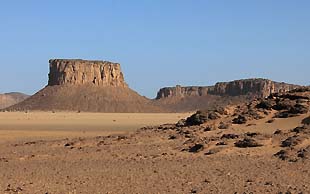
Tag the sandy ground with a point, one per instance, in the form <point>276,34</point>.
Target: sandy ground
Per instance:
<point>68,153</point>
<point>15,126</point>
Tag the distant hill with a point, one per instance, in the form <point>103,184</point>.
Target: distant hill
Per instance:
<point>9,99</point>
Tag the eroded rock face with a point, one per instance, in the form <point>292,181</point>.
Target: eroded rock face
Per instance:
<point>78,72</point>
<point>180,91</point>
<point>258,87</point>
<point>255,87</point>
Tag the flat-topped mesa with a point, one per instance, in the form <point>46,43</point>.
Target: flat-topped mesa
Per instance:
<point>77,72</point>
<point>256,87</point>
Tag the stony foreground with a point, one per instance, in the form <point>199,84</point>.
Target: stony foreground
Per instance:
<point>260,147</point>
<point>145,162</point>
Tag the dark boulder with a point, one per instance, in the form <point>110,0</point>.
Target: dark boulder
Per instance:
<point>240,120</point>
<point>229,136</point>
<point>291,141</point>
<point>247,142</point>
<point>306,121</point>
<point>266,104</point>
<point>196,148</point>
<point>201,117</point>
<point>223,125</point>
<point>304,153</point>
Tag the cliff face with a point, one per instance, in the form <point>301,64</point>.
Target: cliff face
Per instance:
<point>257,87</point>
<point>180,91</point>
<point>254,87</point>
<point>78,72</point>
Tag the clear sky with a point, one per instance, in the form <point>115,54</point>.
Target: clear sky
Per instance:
<point>158,42</point>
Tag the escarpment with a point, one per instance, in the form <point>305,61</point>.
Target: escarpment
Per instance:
<point>253,87</point>
<point>256,87</point>
<point>221,94</point>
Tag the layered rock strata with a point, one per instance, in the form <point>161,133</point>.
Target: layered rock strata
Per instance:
<point>78,72</point>
<point>254,87</point>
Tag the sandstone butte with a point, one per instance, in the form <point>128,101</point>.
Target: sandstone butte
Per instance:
<point>84,85</point>
<point>99,86</point>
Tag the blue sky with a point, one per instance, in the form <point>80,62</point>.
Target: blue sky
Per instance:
<point>158,43</point>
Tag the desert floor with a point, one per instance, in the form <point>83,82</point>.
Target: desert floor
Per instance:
<point>94,153</point>
<point>17,126</point>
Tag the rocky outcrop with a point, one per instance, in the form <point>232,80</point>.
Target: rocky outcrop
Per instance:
<point>10,99</point>
<point>78,72</point>
<point>253,87</point>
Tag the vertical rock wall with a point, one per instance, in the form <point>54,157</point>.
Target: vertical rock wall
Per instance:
<point>77,72</point>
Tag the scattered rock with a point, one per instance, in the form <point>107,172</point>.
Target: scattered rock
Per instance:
<point>69,144</point>
<point>14,190</point>
<point>181,123</point>
<point>290,141</point>
<point>221,143</point>
<point>4,160</point>
<point>293,96</point>
<point>252,134</point>
<point>223,125</point>
<point>121,137</point>
<point>304,153</point>
<point>282,154</point>
<point>306,121</point>
<point>201,117</point>
<point>270,121</point>
<point>167,127</point>
<point>286,155</point>
<point>293,111</point>
<point>301,129</point>
<point>266,104</point>
<point>197,119</point>
<point>277,132</point>
<point>196,148</point>
<point>299,109</point>
<point>208,128</point>
<point>240,120</point>
<point>171,137</point>
<point>247,142</point>
<point>229,136</point>
<point>284,104</point>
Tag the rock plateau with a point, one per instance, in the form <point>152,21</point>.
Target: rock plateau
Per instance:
<point>221,94</point>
